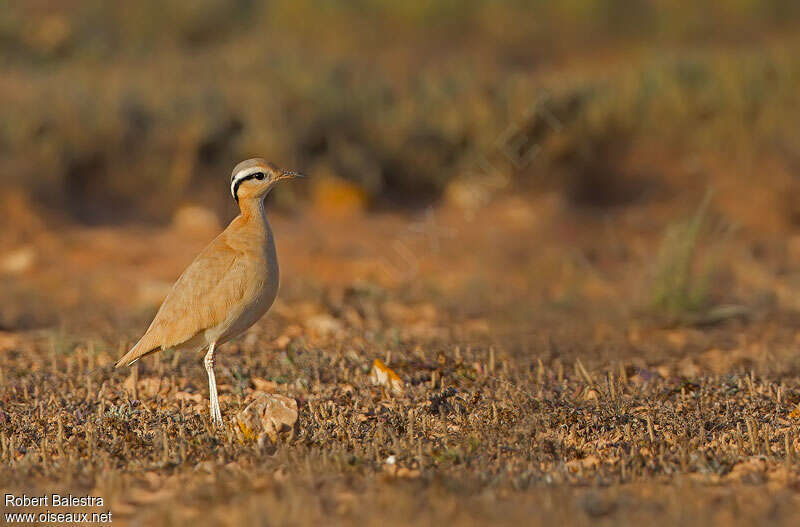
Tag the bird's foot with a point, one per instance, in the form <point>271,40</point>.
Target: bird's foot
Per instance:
<point>216,418</point>
<point>216,413</point>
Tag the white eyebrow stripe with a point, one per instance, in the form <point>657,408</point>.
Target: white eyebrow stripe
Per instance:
<point>243,174</point>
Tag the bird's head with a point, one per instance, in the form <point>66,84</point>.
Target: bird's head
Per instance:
<point>255,177</point>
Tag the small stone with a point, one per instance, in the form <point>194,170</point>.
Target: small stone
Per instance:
<point>266,417</point>
<point>323,325</point>
<point>263,385</point>
<point>18,261</point>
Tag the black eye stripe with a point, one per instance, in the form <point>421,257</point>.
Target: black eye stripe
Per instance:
<point>257,175</point>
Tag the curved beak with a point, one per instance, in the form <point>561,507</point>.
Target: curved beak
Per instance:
<point>288,174</point>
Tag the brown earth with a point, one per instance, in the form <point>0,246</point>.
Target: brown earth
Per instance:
<point>540,383</point>
<point>568,229</point>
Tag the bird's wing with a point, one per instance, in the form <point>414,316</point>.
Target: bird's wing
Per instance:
<point>200,299</point>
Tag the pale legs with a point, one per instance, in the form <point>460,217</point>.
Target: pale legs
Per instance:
<point>209,361</point>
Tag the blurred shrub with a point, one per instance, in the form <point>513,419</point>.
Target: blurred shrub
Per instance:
<point>678,286</point>
<point>117,110</point>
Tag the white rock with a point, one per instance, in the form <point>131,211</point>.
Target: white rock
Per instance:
<point>266,416</point>
<point>324,324</point>
<point>18,261</point>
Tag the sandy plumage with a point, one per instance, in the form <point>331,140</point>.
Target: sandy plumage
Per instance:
<point>201,299</point>
<point>229,286</point>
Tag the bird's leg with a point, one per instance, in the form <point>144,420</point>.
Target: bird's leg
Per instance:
<point>209,361</point>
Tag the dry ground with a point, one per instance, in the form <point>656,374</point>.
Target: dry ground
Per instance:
<point>580,340</point>
<point>541,386</point>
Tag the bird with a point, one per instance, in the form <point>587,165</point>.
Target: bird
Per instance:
<point>228,287</point>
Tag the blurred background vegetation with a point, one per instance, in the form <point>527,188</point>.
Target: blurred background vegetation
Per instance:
<point>118,111</point>
<point>525,188</point>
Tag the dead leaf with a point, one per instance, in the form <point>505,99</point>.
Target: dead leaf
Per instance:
<point>382,375</point>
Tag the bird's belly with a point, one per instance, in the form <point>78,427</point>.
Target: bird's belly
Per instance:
<point>251,312</point>
<point>252,315</point>
<point>263,270</point>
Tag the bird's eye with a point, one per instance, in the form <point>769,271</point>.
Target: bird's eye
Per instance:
<point>259,176</point>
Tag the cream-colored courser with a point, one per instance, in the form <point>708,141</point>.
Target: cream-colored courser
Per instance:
<point>228,287</point>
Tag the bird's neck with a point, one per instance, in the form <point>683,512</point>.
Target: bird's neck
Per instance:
<point>250,232</point>
<point>253,210</point>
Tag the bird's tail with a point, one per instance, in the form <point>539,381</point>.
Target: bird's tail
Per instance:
<point>137,352</point>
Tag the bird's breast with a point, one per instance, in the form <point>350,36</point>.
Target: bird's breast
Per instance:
<point>261,266</point>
